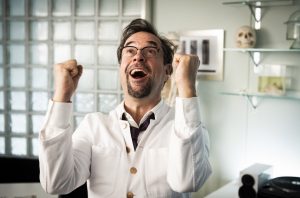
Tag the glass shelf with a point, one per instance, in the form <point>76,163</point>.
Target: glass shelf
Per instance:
<point>259,50</point>
<point>260,3</point>
<point>254,5</point>
<point>253,51</point>
<point>254,97</point>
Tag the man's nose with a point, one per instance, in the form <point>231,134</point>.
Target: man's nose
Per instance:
<point>139,57</point>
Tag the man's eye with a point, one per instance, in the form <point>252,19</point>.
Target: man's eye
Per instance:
<point>130,51</point>
<point>151,51</point>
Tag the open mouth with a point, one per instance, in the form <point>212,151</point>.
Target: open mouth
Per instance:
<point>137,74</point>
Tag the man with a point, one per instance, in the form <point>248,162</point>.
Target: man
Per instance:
<point>169,158</point>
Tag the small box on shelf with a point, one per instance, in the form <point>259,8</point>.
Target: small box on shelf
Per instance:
<point>272,79</point>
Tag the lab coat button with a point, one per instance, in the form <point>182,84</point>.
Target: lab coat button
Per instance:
<point>127,149</point>
<point>133,170</point>
<point>129,195</point>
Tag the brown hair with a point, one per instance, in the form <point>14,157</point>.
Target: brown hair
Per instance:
<point>141,25</point>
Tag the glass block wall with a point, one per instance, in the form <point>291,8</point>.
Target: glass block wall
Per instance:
<point>36,34</point>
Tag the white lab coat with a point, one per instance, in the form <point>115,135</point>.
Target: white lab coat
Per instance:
<point>171,159</point>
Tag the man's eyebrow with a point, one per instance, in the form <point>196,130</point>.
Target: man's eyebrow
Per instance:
<point>151,43</point>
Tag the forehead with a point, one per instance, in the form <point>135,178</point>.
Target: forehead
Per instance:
<point>142,39</point>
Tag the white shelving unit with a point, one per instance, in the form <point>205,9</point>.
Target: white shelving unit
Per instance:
<point>253,4</point>
<point>255,98</point>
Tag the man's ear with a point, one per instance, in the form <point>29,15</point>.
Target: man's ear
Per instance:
<point>168,69</point>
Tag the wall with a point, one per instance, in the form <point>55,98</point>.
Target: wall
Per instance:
<point>241,135</point>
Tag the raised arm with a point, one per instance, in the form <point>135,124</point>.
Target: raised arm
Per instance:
<point>63,166</point>
<point>188,166</point>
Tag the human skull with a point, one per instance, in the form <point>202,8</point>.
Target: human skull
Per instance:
<point>174,37</point>
<point>245,37</point>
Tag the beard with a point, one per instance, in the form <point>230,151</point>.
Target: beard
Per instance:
<point>142,92</point>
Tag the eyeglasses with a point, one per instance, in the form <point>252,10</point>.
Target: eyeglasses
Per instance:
<point>147,52</point>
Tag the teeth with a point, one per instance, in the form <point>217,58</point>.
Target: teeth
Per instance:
<point>135,70</point>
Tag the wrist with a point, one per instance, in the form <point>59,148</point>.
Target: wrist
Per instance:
<point>186,91</point>
<point>61,97</point>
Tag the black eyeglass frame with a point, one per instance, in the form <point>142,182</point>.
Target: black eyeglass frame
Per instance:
<point>142,50</point>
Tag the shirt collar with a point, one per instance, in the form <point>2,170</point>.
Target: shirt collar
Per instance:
<point>155,110</point>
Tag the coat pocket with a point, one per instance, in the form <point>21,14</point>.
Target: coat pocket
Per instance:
<point>104,169</point>
<point>156,171</point>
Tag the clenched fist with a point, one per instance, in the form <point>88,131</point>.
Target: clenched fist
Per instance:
<point>66,77</point>
<point>186,67</point>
